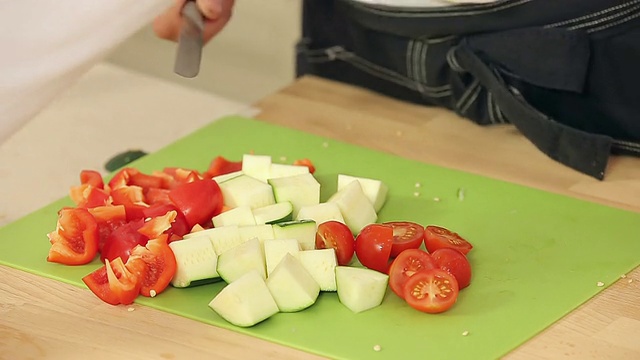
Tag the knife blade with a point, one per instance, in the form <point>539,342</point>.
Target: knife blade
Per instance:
<point>189,51</point>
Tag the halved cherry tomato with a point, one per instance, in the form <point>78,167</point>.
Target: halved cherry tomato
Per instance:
<point>161,265</point>
<point>436,237</point>
<point>373,246</point>
<point>199,200</point>
<point>122,240</point>
<point>405,266</point>
<point>336,235</point>
<point>432,291</point>
<point>220,166</point>
<point>75,240</point>
<point>109,218</point>
<point>307,163</point>
<point>406,235</point>
<point>454,262</point>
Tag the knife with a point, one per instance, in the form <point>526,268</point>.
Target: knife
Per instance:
<point>189,50</point>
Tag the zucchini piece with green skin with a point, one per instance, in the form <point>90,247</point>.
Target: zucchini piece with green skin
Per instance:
<point>222,238</point>
<point>240,260</point>
<point>276,249</point>
<point>240,216</point>
<point>301,190</point>
<point>256,166</point>
<point>302,230</point>
<point>282,170</point>
<point>320,213</point>
<point>321,264</point>
<point>355,207</point>
<point>246,301</point>
<point>291,285</point>
<point>375,190</point>
<point>262,232</point>
<point>224,177</point>
<point>360,289</point>
<point>244,190</point>
<point>196,262</point>
<point>273,214</point>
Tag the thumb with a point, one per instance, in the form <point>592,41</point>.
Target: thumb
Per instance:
<point>211,9</point>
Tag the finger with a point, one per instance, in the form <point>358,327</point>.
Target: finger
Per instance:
<point>211,9</point>
<point>167,25</point>
<point>213,27</point>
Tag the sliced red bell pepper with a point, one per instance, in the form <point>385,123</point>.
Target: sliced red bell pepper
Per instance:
<point>167,179</point>
<point>307,163</point>
<point>182,175</point>
<point>109,218</point>
<point>122,240</point>
<point>220,166</point>
<point>198,201</point>
<point>98,283</point>
<point>179,226</point>
<point>155,196</point>
<point>124,283</point>
<point>122,178</point>
<point>161,265</point>
<point>132,197</point>
<point>156,226</point>
<point>92,177</point>
<point>146,181</point>
<point>75,240</point>
<point>89,196</point>
<point>116,282</point>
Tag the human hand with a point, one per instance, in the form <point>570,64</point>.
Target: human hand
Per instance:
<point>216,15</point>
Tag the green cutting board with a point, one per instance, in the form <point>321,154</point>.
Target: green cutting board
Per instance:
<point>537,255</point>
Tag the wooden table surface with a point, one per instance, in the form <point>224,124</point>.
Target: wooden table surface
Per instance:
<point>42,318</point>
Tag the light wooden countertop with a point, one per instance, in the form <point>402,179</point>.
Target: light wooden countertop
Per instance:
<point>42,318</point>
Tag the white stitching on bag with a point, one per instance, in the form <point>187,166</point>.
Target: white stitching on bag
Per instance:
<point>381,72</point>
<point>501,116</point>
<point>627,145</point>
<point>453,62</point>
<point>619,22</point>
<point>604,20</point>
<point>462,101</point>
<point>415,60</point>
<point>472,99</point>
<point>490,109</point>
<point>596,14</point>
<point>407,55</point>
<point>339,53</point>
<point>423,63</point>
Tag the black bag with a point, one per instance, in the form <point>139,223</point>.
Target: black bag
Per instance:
<point>563,72</point>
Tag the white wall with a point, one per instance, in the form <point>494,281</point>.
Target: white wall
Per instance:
<point>252,57</point>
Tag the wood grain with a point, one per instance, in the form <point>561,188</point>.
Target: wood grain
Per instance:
<point>43,318</point>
